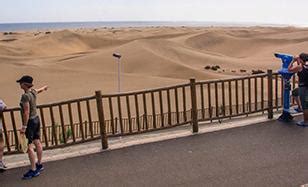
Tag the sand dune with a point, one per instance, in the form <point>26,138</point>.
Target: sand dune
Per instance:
<point>77,62</point>
<point>233,45</point>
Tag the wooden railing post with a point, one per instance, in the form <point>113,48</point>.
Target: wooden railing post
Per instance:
<point>270,93</point>
<point>100,112</point>
<point>194,114</point>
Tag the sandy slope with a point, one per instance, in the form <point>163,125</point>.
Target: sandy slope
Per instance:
<point>77,62</point>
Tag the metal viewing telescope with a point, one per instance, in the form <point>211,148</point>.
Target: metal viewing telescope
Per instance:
<point>286,75</point>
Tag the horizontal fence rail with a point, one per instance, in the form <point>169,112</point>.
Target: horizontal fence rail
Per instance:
<point>86,119</point>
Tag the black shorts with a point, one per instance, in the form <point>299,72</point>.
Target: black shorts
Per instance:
<point>303,94</point>
<point>295,92</point>
<point>33,129</point>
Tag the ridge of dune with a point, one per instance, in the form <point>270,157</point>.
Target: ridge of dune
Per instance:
<point>232,45</point>
<point>137,59</point>
<point>11,50</point>
<point>59,43</point>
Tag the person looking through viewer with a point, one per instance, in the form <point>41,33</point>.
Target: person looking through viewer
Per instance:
<point>299,66</point>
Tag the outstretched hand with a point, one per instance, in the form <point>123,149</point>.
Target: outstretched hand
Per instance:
<point>45,88</point>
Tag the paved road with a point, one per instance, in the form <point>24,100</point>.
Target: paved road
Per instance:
<point>268,154</point>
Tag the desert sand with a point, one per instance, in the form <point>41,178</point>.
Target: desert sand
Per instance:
<point>76,62</point>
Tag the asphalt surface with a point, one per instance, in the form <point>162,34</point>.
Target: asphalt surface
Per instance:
<point>267,154</point>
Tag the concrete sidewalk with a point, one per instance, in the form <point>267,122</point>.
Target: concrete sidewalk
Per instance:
<point>265,154</point>
<point>20,160</point>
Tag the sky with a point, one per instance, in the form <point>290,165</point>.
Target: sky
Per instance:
<point>292,12</point>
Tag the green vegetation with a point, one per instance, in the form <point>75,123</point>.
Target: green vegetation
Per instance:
<point>207,67</point>
<point>214,68</point>
<point>254,72</point>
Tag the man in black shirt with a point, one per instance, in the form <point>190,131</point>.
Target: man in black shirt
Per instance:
<point>302,71</point>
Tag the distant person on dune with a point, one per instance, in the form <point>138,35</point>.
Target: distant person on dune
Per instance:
<point>31,124</point>
<point>300,67</point>
<point>2,165</point>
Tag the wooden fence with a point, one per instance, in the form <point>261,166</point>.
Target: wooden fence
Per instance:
<point>90,118</point>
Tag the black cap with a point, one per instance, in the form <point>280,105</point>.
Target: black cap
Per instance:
<point>304,57</point>
<point>25,79</point>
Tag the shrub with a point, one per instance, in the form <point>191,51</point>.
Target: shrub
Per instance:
<point>68,133</point>
<point>207,67</point>
<point>221,110</point>
<point>218,67</point>
<point>9,33</point>
<point>214,68</point>
<point>254,72</point>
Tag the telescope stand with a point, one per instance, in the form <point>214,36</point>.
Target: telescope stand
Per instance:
<point>285,117</point>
